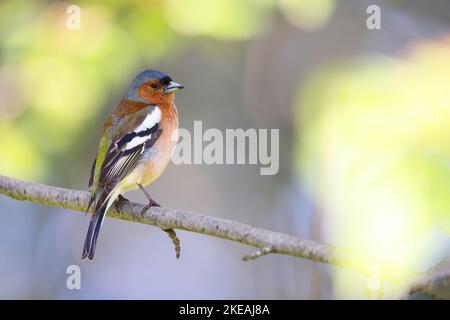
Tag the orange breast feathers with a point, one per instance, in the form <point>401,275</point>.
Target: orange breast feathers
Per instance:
<point>164,146</point>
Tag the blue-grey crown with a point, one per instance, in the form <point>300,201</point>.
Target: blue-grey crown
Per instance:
<point>142,78</point>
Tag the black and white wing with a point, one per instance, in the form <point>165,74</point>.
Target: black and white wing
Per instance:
<point>131,136</point>
<point>128,149</point>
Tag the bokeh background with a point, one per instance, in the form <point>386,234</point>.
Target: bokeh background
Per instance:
<point>364,119</point>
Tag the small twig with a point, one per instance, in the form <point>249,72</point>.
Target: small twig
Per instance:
<point>170,232</point>
<point>258,253</point>
<point>175,241</point>
<point>435,283</point>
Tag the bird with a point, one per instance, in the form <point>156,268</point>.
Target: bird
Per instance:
<point>137,140</point>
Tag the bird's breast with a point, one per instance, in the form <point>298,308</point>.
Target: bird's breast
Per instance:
<point>157,158</point>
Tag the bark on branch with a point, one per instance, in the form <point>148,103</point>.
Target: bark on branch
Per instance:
<point>267,242</point>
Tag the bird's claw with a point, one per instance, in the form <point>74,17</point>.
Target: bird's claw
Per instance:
<point>120,199</point>
<point>150,204</point>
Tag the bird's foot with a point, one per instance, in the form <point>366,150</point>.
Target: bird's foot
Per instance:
<point>151,203</point>
<point>121,199</point>
<point>170,232</point>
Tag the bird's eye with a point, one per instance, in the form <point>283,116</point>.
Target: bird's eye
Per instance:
<point>154,85</point>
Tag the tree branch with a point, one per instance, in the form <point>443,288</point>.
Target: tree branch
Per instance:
<point>165,218</point>
<point>434,283</point>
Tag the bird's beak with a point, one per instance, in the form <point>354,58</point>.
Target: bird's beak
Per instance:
<point>173,86</point>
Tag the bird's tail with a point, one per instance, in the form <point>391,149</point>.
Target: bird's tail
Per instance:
<point>92,234</point>
<point>96,222</point>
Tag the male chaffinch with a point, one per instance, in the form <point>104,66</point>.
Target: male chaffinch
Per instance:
<point>135,147</point>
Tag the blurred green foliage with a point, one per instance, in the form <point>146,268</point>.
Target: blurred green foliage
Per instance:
<point>56,80</point>
<point>374,148</point>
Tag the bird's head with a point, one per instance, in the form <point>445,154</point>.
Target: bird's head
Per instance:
<point>153,86</point>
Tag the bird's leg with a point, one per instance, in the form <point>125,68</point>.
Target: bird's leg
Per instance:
<point>151,202</point>
<point>120,199</point>
<point>170,232</point>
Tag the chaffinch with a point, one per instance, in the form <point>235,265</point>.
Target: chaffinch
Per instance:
<point>136,145</point>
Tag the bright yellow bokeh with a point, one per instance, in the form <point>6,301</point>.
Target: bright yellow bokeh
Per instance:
<point>375,149</point>
<point>307,14</point>
<point>223,19</point>
<point>20,158</point>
